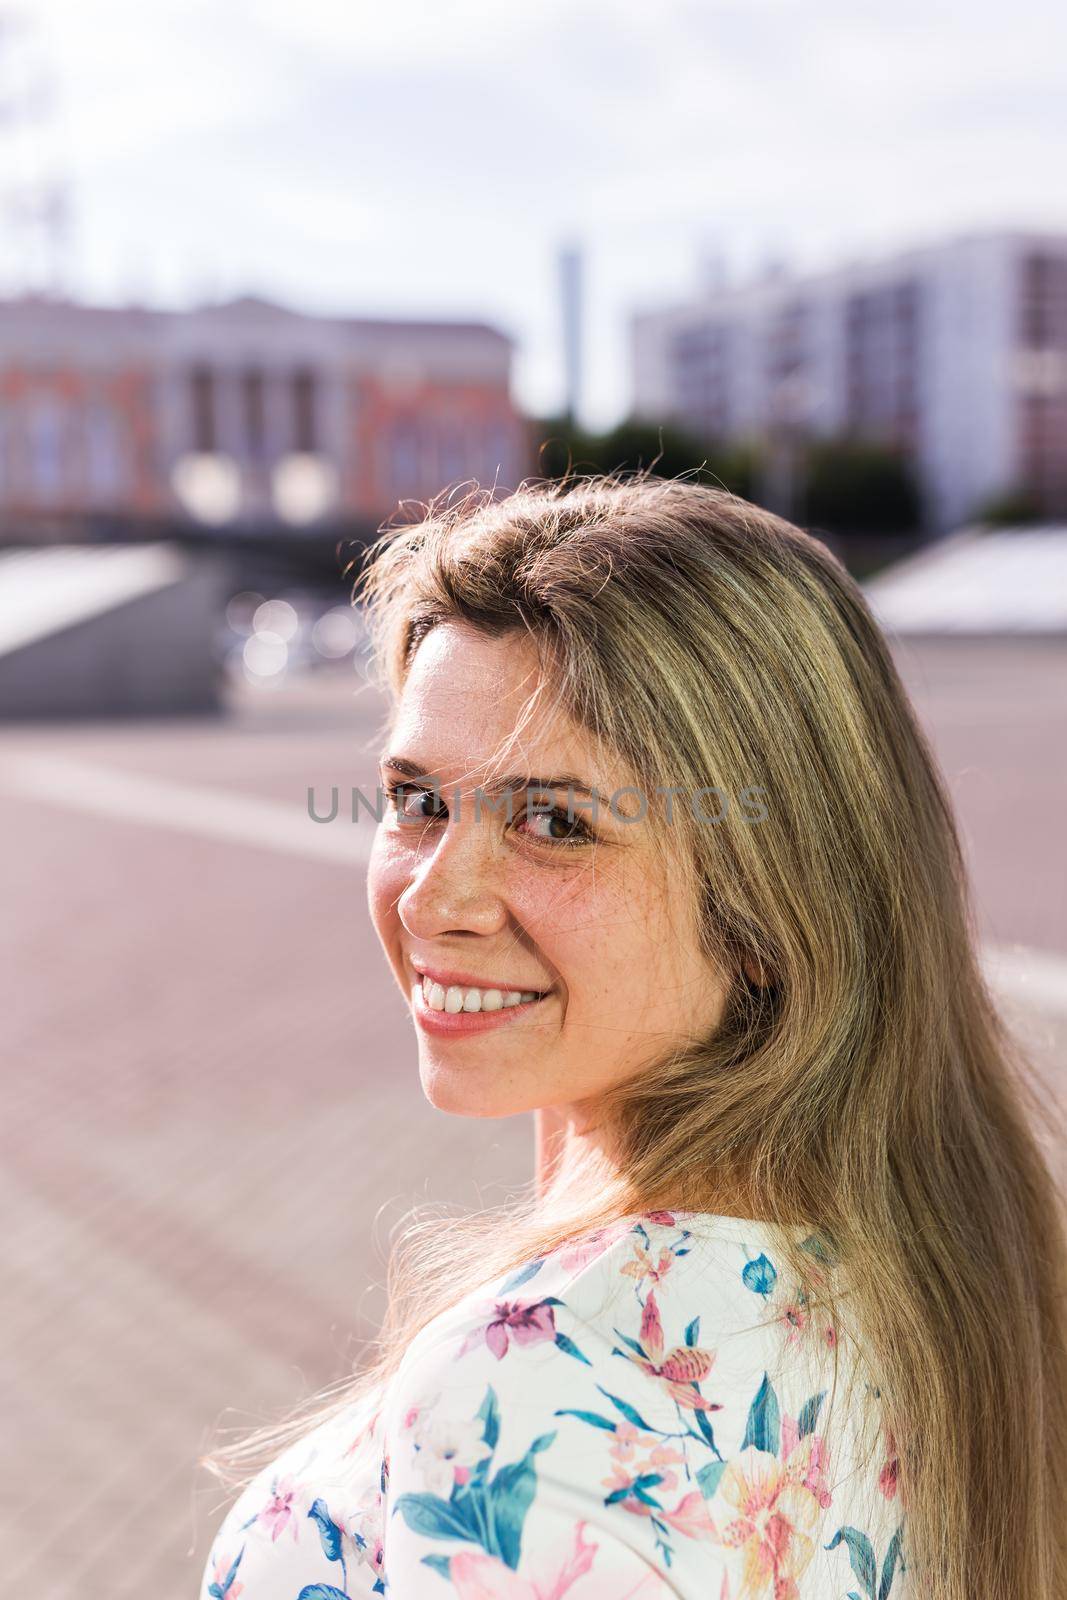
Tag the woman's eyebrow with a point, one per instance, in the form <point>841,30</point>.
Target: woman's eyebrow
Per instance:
<point>564,780</point>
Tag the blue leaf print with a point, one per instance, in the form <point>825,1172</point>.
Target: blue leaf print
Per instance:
<point>638,1349</point>
<point>639,1489</point>
<point>488,1413</point>
<point>220,1594</point>
<point>860,1555</point>
<point>763,1427</point>
<point>329,1532</point>
<point>706,1430</point>
<point>321,1591</point>
<point>626,1409</point>
<point>760,1275</point>
<point>510,1496</point>
<point>821,1246</point>
<point>428,1514</point>
<point>809,1414</point>
<point>641,1486</point>
<point>521,1275</point>
<point>592,1417</point>
<point>439,1564</point>
<point>889,1564</point>
<point>569,1348</point>
<point>692,1332</point>
<point>708,1478</point>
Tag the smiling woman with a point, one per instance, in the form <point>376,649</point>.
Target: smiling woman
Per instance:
<point>473,901</point>
<point>781,1315</point>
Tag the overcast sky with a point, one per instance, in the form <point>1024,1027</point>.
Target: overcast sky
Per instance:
<point>429,157</point>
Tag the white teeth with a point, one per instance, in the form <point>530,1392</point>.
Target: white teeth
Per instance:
<point>456,998</point>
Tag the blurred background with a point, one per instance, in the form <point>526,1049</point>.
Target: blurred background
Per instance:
<point>267,273</point>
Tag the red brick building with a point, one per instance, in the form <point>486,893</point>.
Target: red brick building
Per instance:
<point>102,409</point>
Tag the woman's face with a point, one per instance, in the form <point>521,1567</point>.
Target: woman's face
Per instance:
<point>599,929</point>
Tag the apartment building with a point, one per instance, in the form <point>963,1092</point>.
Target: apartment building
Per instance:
<point>123,411</point>
<point>955,352</point>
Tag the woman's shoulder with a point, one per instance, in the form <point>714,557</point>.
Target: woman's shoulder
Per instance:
<point>310,1520</point>
<point>660,1386</point>
<point>619,1291</point>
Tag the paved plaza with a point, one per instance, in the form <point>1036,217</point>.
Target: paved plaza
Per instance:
<point>212,1113</point>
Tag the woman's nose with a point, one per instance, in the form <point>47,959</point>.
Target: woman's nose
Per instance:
<point>454,884</point>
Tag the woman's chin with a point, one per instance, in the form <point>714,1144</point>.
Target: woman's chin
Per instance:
<point>451,1092</point>
<point>462,1092</point>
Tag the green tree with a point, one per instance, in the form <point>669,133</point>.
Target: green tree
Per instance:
<point>1009,508</point>
<point>667,451</point>
<point>853,485</point>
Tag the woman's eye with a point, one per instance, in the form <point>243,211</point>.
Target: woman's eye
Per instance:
<point>400,796</point>
<point>550,827</point>
<point>559,827</point>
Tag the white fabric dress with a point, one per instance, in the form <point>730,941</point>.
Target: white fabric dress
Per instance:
<point>633,1417</point>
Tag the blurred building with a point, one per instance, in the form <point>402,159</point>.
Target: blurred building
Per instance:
<point>242,413</point>
<point>955,352</point>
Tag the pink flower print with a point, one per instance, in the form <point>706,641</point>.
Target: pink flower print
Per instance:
<point>223,1568</point>
<point>889,1477</point>
<point>641,1266</point>
<point>773,1512</point>
<point>659,1461</point>
<point>621,1483</point>
<point>448,1448</point>
<point>666,1219</point>
<point>527,1322</point>
<point>626,1438</point>
<point>692,1516</point>
<point>365,1528</point>
<point>480,1577</point>
<point>681,1369</point>
<point>808,1466</point>
<point>795,1318</point>
<point>662,1459</point>
<point>579,1252</point>
<point>279,1511</point>
<point>787,1306</point>
<point>364,1433</point>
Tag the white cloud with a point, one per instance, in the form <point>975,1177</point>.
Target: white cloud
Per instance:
<point>429,157</point>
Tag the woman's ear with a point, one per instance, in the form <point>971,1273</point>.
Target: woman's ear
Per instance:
<point>758,975</point>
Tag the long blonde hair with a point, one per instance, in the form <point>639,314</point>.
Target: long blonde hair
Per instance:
<point>868,1083</point>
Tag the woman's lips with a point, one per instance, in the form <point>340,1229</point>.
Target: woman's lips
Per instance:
<point>448,1024</point>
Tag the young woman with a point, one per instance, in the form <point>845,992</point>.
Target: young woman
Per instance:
<point>667,863</point>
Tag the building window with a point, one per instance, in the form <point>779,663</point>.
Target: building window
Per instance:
<point>202,391</point>
<point>453,452</point>
<point>254,407</point>
<point>500,462</point>
<point>404,457</point>
<point>104,463</point>
<point>305,429</point>
<point>47,429</point>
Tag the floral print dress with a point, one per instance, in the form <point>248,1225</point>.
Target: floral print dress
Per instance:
<point>632,1417</point>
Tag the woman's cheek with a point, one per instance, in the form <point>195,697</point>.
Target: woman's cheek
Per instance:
<point>387,878</point>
